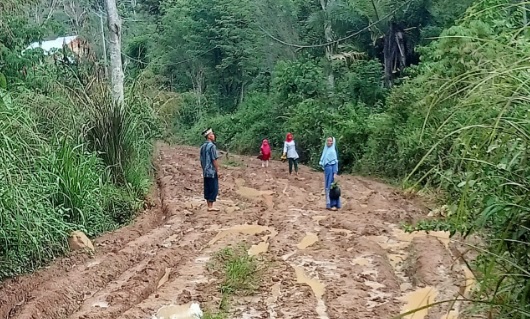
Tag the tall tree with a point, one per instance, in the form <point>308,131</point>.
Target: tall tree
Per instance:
<point>211,45</point>
<point>116,66</point>
<point>327,8</point>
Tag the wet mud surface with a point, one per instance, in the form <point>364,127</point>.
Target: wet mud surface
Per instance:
<point>355,263</point>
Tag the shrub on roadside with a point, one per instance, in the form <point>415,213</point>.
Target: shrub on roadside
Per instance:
<point>461,126</point>
<point>55,179</point>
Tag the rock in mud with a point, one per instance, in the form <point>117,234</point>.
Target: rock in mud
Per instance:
<point>79,241</point>
<point>184,297</point>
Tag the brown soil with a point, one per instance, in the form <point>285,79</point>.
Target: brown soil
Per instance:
<point>355,263</point>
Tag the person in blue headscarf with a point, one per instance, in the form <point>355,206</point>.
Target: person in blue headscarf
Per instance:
<point>330,163</point>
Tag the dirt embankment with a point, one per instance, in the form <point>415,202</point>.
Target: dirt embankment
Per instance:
<point>355,263</point>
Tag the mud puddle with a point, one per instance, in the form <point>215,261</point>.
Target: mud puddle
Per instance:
<point>252,193</point>
<point>318,218</point>
<point>188,311</point>
<point>362,261</point>
<point>257,195</point>
<point>257,249</point>
<point>272,301</point>
<point>260,248</point>
<point>398,246</point>
<point>316,286</point>
<point>100,304</point>
<point>417,299</point>
<point>308,240</point>
<point>471,281</point>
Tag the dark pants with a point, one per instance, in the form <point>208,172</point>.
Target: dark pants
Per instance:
<point>211,188</point>
<point>292,162</point>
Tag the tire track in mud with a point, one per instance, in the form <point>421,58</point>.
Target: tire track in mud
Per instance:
<point>355,263</point>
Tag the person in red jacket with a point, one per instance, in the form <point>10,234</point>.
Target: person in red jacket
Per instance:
<point>265,153</point>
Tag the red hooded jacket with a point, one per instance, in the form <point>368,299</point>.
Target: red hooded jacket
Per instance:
<point>265,150</point>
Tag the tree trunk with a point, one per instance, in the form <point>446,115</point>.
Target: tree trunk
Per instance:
<point>328,35</point>
<point>394,52</point>
<point>116,67</point>
<point>104,43</point>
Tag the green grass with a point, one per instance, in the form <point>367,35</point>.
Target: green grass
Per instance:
<point>466,133</point>
<point>212,315</point>
<point>231,163</point>
<point>87,170</point>
<point>240,272</point>
<point>239,275</point>
<point>229,160</point>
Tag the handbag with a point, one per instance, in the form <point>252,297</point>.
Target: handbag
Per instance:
<point>334,192</point>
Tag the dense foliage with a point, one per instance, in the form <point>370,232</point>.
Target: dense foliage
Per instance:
<point>70,158</point>
<point>241,69</point>
<point>461,125</point>
<point>433,93</point>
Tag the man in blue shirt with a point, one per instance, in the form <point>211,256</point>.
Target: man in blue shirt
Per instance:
<point>210,169</point>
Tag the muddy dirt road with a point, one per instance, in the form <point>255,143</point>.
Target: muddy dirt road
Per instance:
<point>353,264</point>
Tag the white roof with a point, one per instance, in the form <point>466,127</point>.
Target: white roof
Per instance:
<point>48,46</point>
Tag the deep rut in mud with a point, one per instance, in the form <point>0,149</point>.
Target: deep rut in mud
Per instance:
<point>354,263</point>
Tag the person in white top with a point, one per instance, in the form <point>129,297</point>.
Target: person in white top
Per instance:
<point>289,152</point>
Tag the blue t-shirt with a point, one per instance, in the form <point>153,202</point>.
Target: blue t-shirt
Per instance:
<point>208,155</point>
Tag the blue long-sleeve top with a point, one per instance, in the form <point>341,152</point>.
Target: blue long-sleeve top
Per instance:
<point>330,156</point>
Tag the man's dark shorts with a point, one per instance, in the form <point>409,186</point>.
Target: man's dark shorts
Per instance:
<point>211,188</point>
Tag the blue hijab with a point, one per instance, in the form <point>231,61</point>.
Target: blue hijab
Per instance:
<point>329,154</point>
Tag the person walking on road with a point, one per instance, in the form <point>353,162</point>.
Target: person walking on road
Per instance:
<point>330,163</point>
<point>289,152</point>
<point>265,153</point>
<point>210,169</point>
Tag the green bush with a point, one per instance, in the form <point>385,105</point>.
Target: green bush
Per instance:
<point>242,131</point>
<point>32,230</point>
<point>308,122</point>
<point>461,126</point>
<point>76,175</point>
<point>298,104</point>
<point>295,81</point>
<point>56,180</point>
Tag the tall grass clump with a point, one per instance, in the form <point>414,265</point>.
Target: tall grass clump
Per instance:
<point>78,184</point>
<point>110,134</point>
<point>121,134</point>
<point>32,230</point>
<point>70,160</point>
<point>462,126</point>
